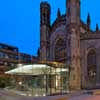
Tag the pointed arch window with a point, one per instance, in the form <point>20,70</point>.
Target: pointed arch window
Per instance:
<point>91,65</point>
<point>60,50</point>
<point>91,57</point>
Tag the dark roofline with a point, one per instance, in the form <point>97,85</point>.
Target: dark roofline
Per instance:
<point>26,54</point>
<point>4,44</point>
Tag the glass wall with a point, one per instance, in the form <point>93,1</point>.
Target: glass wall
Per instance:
<point>53,81</point>
<point>43,81</point>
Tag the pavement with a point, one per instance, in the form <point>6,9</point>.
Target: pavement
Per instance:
<point>82,95</point>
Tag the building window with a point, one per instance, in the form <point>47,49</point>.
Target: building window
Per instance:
<point>91,65</point>
<point>1,55</point>
<point>60,50</point>
<point>92,58</point>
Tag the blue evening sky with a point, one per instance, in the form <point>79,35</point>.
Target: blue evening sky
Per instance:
<point>20,20</point>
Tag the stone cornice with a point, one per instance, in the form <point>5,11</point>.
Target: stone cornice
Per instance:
<point>87,36</point>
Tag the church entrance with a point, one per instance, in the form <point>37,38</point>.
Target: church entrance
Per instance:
<point>61,57</point>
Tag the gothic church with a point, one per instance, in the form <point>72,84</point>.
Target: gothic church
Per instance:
<point>69,40</point>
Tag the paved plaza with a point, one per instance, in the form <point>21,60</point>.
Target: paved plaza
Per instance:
<point>8,95</point>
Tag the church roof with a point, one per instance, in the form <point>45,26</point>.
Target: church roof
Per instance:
<point>62,21</point>
<point>58,22</point>
<point>90,34</point>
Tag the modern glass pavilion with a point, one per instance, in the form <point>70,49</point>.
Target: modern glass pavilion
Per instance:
<point>43,79</point>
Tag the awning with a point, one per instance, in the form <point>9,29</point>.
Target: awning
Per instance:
<point>35,69</point>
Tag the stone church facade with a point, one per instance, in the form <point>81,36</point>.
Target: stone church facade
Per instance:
<point>69,40</point>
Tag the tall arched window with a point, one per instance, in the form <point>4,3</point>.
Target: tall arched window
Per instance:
<point>60,50</point>
<point>91,65</point>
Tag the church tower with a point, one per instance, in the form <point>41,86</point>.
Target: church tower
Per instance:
<point>73,10</point>
<point>73,31</point>
<point>44,31</point>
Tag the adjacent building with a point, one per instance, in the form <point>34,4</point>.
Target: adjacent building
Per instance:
<point>10,57</point>
<point>27,59</point>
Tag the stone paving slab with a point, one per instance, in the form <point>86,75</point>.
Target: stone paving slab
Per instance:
<point>81,97</point>
<point>95,97</point>
<point>7,95</point>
